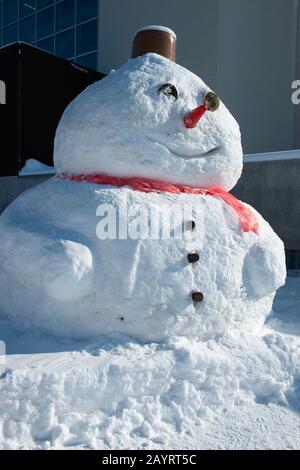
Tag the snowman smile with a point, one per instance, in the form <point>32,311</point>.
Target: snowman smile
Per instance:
<point>209,153</point>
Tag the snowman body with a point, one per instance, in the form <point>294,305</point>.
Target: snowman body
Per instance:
<point>70,282</point>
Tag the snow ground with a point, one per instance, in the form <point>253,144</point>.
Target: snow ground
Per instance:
<point>236,393</point>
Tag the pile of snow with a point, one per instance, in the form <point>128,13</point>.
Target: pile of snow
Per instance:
<point>35,167</point>
<point>232,392</point>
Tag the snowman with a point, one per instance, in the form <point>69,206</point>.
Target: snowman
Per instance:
<point>150,135</point>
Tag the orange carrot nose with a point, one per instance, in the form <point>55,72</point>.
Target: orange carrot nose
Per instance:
<point>211,103</point>
<point>191,120</point>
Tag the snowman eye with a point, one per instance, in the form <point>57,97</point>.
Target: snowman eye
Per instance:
<point>211,101</point>
<point>169,90</point>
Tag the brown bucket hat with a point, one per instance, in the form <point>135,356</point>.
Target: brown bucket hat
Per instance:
<point>155,39</point>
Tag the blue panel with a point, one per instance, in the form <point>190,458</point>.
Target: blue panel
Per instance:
<point>65,44</point>
<point>44,3</point>
<point>27,7</point>
<point>87,39</point>
<point>10,34</point>
<point>47,44</point>
<point>45,22</point>
<point>65,14</point>
<point>89,61</point>
<point>86,9</point>
<point>27,29</point>
<point>10,11</point>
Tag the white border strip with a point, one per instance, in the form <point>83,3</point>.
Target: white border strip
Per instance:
<point>50,171</point>
<point>272,156</point>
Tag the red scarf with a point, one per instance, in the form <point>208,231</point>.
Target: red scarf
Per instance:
<point>246,217</point>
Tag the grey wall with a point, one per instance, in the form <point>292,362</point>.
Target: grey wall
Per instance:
<point>194,21</point>
<point>273,188</point>
<point>244,49</point>
<point>257,55</point>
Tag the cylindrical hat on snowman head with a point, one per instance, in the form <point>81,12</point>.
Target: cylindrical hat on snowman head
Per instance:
<point>156,39</point>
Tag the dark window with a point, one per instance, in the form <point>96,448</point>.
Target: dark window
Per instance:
<point>43,3</point>
<point>0,18</point>
<point>87,37</point>
<point>45,22</point>
<point>86,9</point>
<point>10,34</point>
<point>89,61</point>
<point>27,7</point>
<point>65,14</point>
<point>10,11</point>
<point>47,44</point>
<point>27,29</point>
<point>65,44</point>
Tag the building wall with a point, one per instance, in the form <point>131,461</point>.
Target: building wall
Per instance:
<point>247,50</point>
<point>67,28</point>
<point>244,49</point>
<point>257,51</point>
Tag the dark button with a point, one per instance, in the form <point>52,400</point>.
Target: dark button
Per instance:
<point>197,296</point>
<point>190,225</point>
<point>193,257</point>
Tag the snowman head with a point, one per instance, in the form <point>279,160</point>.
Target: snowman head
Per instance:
<point>134,123</point>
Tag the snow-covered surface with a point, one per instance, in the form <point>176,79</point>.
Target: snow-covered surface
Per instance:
<point>73,283</point>
<point>272,156</point>
<point>122,126</point>
<point>35,167</point>
<point>230,393</point>
<point>158,28</point>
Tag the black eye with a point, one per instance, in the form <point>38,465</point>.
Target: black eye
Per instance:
<point>169,90</point>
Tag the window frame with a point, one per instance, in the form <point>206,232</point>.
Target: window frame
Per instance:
<point>53,4</point>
